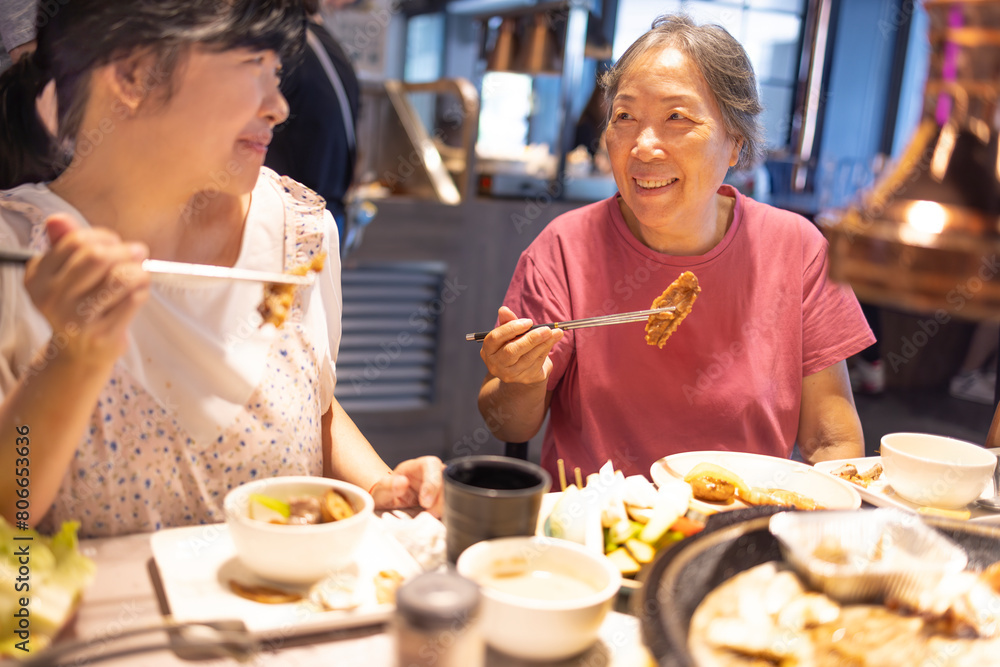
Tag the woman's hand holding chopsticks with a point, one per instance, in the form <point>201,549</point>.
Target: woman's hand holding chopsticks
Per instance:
<point>517,360</point>
<point>88,286</point>
<point>516,353</point>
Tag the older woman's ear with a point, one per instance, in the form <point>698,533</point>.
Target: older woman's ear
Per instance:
<point>737,150</point>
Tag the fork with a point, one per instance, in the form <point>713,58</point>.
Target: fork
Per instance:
<point>226,638</point>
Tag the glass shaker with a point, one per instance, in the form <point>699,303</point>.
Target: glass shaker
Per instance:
<point>437,622</point>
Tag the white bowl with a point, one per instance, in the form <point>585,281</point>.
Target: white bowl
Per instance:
<point>936,471</point>
<point>296,554</point>
<point>516,620</point>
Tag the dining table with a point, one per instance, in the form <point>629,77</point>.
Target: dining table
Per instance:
<point>127,594</point>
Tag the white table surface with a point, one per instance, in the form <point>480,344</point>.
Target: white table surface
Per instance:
<point>123,596</point>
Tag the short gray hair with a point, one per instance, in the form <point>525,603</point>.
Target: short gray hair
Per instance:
<point>723,63</point>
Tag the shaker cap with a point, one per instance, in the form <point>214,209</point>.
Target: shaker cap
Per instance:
<point>437,600</point>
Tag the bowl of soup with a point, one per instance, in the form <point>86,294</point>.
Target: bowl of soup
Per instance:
<point>543,598</point>
<point>297,529</point>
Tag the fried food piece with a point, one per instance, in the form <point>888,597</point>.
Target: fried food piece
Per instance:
<point>847,471</point>
<point>761,496</point>
<point>716,474</point>
<point>991,576</point>
<point>335,507</point>
<point>871,474</point>
<point>279,297</point>
<point>386,583</point>
<point>712,490</point>
<point>850,472</point>
<point>681,294</point>
<point>263,594</point>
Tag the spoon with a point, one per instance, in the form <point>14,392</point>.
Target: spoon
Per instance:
<point>993,504</point>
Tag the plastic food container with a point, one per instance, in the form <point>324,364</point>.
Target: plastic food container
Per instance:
<point>866,555</point>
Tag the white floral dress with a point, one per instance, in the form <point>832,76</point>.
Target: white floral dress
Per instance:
<point>139,467</point>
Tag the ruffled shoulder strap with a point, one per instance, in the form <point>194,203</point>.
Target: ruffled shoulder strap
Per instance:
<point>305,228</point>
<point>37,239</point>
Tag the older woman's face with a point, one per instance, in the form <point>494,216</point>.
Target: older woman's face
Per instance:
<point>668,146</point>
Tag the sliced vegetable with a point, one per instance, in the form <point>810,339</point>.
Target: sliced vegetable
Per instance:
<point>641,552</point>
<point>670,537</point>
<point>624,561</point>
<point>672,500</point>
<point>621,531</point>
<point>687,527</point>
<point>639,514</point>
<point>568,518</point>
<point>59,574</point>
<point>266,508</point>
<point>638,492</point>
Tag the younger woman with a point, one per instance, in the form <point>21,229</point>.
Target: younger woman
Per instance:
<point>131,403</point>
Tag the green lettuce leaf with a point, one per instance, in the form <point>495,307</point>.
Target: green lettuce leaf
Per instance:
<point>58,574</point>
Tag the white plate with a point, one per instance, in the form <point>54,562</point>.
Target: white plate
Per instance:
<point>762,471</point>
<point>197,562</point>
<point>881,494</point>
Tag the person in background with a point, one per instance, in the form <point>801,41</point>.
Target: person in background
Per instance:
<point>758,365</point>
<point>866,369</point>
<point>17,30</point>
<point>143,403</point>
<point>976,379</point>
<point>317,145</point>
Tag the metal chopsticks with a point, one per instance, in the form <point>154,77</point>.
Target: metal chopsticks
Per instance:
<point>601,321</point>
<point>162,267</point>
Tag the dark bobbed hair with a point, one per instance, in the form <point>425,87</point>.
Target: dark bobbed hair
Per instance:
<point>81,35</point>
<point>723,63</point>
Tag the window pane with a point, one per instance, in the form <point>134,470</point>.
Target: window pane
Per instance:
<point>635,17</point>
<point>777,116</point>
<point>503,118</point>
<point>729,17</point>
<point>772,42</point>
<point>424,37</point>
<point>797,6</point>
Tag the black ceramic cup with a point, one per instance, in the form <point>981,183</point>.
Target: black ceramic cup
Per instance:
<point>490,496</point>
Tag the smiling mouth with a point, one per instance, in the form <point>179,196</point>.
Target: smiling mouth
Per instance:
<point>254,146</point>
<point>652,185</point>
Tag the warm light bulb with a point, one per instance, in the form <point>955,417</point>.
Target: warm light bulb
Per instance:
<point>924,220</point>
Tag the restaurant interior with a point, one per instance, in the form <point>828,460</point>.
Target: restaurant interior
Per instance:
<point>468,139</point>
<point>494,91</point>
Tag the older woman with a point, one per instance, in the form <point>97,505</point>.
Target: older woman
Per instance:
<point>759,362</point>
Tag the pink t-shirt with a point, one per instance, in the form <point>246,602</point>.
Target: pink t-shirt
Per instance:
<point>730,378</point>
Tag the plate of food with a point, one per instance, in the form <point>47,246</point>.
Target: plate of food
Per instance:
<point>203,580</point>
<point>724,481</point>
<point>628,519</point>
<point>867,476</point>
<point>729,598</point>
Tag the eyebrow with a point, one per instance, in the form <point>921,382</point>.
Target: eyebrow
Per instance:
<point>668,99</point>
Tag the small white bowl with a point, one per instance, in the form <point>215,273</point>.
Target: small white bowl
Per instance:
<point>936,471</point>
<point>296,554</point>
<point>518,622</point>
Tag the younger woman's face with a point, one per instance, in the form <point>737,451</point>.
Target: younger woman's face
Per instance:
<point>217,123</point>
